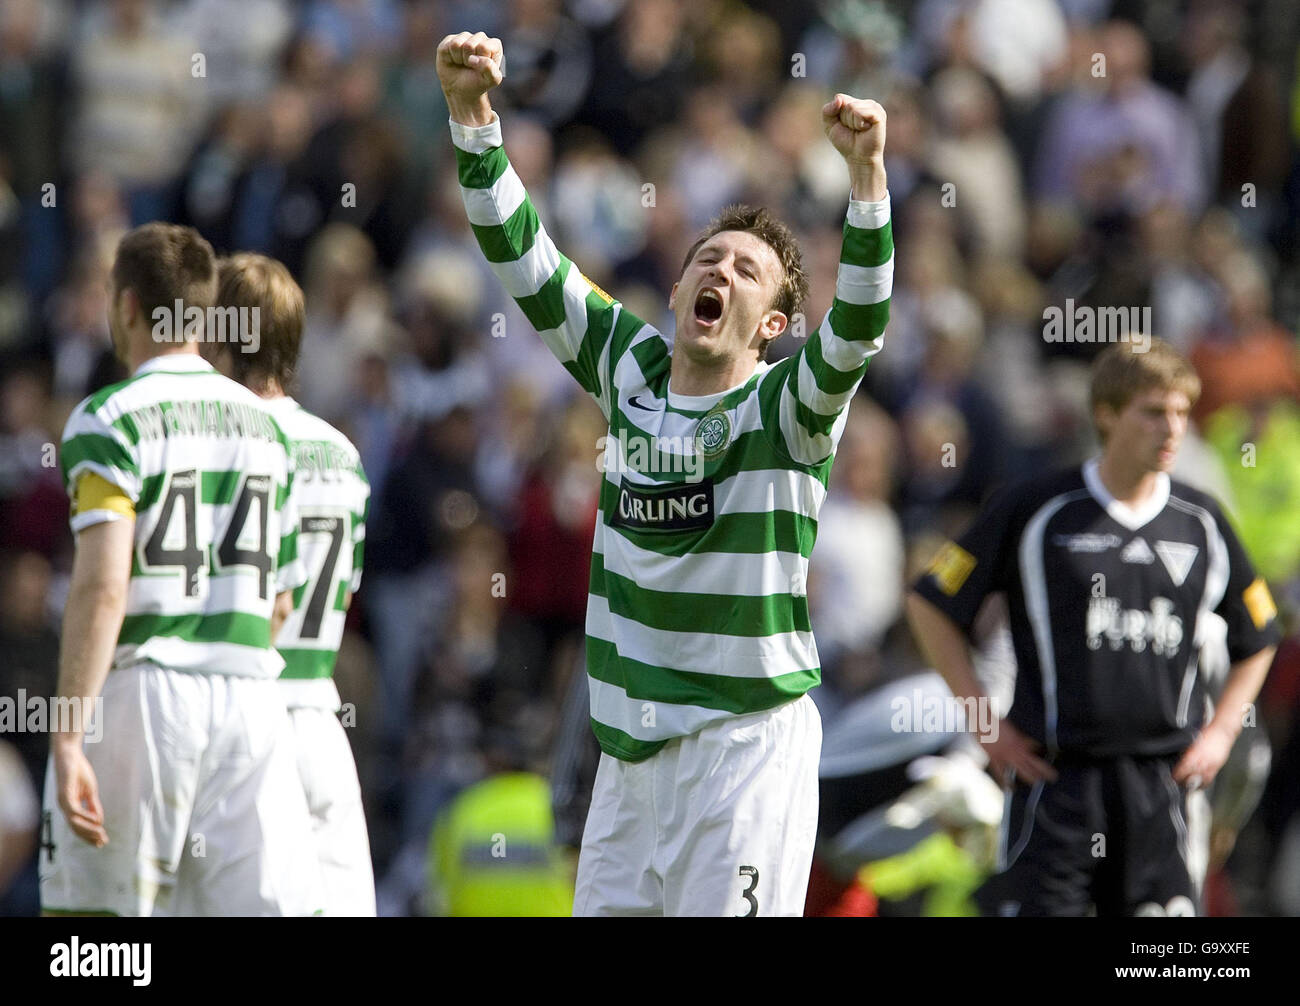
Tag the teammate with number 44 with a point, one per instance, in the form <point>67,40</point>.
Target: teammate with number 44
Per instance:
<point>331,494</point>
<point>699,649</point>
<point>185,563</point>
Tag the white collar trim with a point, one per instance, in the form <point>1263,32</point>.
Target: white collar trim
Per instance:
<point>702,403</point>
<point>173,361</point>
<point>1123,514</point>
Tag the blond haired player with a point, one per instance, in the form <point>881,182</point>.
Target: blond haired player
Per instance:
<point>331,496</point>
<point>1110,571</point>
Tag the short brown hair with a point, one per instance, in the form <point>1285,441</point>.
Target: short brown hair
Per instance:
<point>164,263</point>
<point>793,288</point>
<point>1121,372</point>
<point>255,281</point>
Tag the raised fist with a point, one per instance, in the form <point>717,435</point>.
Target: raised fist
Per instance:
<point>855,127</point>
<point>469,65</point>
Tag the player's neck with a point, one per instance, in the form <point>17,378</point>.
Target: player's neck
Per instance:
<point>266,387</point>
<point>142,352</point>
<point>1131,484</point>
<point>688,377</point>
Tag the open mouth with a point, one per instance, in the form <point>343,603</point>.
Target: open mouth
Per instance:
<point>708,307</point>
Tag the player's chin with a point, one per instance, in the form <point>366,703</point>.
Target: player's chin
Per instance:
<point>704,340</point>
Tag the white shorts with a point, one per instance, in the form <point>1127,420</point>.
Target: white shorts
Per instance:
<point>202,804</point>
<point>329,779</point>
<point>719,823</point>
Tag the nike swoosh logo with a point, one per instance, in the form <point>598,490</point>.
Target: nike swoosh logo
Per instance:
<point>633,401</point>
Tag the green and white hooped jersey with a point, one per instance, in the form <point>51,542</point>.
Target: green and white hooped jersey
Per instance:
<point>330,494</point>
<point>697,606</point>
<point>206,468</point>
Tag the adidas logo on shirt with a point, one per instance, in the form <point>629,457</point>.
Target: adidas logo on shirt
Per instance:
<point>1138,551</point>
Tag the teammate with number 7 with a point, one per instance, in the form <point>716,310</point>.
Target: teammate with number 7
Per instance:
<point>331,494</point>
<point>187,792</point>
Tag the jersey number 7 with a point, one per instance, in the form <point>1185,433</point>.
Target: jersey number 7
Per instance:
<point>320,586</point>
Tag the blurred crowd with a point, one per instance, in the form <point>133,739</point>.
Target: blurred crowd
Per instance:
<point>1104,152</point>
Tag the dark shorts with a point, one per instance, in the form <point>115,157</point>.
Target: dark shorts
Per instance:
<point>1110,833</point>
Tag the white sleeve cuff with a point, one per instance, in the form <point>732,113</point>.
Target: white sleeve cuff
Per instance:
<point>476,139</point>
<point>81,521</point>
<point>868,216</point>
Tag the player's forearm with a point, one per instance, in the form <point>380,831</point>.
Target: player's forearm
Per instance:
<point>561,305</point>
<point>867,180</point>
<point>469,112</point>
<point>863,284</point>
<point>829,367</point>
<point>506,225</point>
<point>1245,679</point>
<point>92,617</point>
<point>944,646</point>
<point>92,620</point>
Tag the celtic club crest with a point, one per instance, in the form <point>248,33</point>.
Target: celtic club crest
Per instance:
<point>713,434</point>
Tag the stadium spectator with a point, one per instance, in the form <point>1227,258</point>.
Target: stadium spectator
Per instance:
<point>347,316</point>
<point>1239,114</point>
<point>973,155</point>
<point>855,592</point>
<point>1116,137</point>
<point>139,99</point>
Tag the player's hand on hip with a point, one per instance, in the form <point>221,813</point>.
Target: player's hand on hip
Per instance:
<point>469,65</point>
<point>78,792</point>
<point>1011,751</point>
<point>1201,762</point>
<point>855,127</point>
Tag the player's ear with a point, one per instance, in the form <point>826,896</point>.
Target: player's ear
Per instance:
<point>672,298</point>
<point>128,304</point>
<point>135,312</point>
<point>773,324</point>
<point>1103,418</point>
